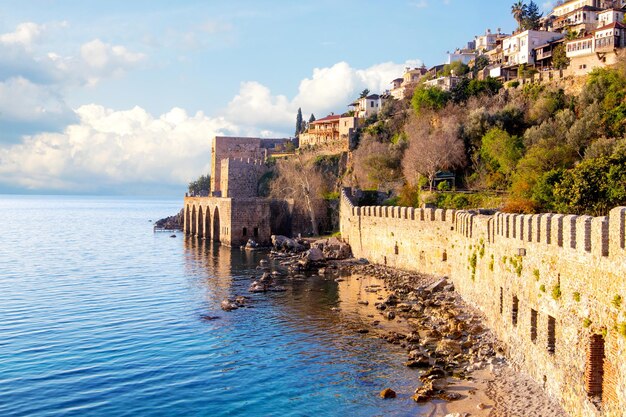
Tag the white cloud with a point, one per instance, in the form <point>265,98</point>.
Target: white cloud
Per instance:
<point>25,35</point>
<point>110,149</point>
<point>329,89</point>
<point>100,60</point>
<point>420,4</point>
<point>22,100</point>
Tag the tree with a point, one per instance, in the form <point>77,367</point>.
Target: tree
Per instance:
<point>297,178</point>
<point>429,98</point>
<point>532,17</point>
<point>594,186</point>
<point>518,10</point>
<point>559,57</point>
<point>364,93</point>
<point>480,63</point>
<point>203,183</point>
<point>312,118</point>
<point>501,150</point>
<point>456,67</point>
<point>298,122</point>
<point>432,149</point>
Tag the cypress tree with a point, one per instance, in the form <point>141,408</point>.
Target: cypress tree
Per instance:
<point>299,122</point>
<point>312,118</point>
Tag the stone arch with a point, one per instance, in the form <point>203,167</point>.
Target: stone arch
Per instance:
<point>194,221</point>
<point>216,225</point>
<point>200,226</point>
<point>207,223</point>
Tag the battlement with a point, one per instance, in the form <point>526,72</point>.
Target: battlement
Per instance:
<point>242,161</point>
<point>551,285</point>
<point>597,236</point>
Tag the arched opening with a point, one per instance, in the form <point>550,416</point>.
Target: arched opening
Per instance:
<point>216,225</point>
<point>207,224</point>
<point>200,233</point>
<point>194,221</point>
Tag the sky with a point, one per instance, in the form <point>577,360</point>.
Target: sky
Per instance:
<point>124,97</point>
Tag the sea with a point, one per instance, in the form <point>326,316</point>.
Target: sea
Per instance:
<point>102,316</point>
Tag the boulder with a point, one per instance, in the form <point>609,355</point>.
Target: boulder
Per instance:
<point>448,347</point>
<point>314,255</point>
<point>387,393</point>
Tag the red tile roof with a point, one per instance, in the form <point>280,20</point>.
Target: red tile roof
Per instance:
<point>611,26</point>
<point>327,119</point>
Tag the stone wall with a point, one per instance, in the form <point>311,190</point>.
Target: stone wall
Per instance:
<point>552,287</point>
<point>228,221</point>
<point>240,177</point>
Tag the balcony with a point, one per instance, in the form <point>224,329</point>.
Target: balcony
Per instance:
<point>607,44</point>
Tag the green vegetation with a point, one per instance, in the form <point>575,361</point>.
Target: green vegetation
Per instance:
<point>621,329</point>
<point>542,288</point>
<point>556,292</point>
<point>202,184</point>
<point>524,150</point>
<point>576,296</point>
<point>536,274</point>
<point>491,262</point>
<point>586,322</point>
<point>617,301</point>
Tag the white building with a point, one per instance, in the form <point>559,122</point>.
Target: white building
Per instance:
<point>518,49</point>
<point>597,49</point>
<point>571,5</point>
<point>488,41</point>
<point>608,16</point>
<point>410,78</point>
<point>463,55</point>
<point>365,107</point>
<point>444,83</point>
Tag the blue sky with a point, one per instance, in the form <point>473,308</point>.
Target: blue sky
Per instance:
<point>120,96</point>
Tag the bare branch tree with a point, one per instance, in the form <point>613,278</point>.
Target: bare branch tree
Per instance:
<point>433,146</point>
<point>298,179</point>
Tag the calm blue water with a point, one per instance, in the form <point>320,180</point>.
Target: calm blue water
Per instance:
<point>99,316</point>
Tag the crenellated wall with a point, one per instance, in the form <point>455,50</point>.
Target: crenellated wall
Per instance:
<point>240,177</point>
<point>553,287</point>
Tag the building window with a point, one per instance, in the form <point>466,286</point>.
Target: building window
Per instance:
<point>501,300</point>
<point>533,325</point>
<point>551,335</point>
<point>245,231</point>
<point>514,310</point>
<point>256,232</point>
<point>594,370</point>
<point>371,104</point>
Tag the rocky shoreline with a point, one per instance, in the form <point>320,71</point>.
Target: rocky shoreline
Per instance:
<point>462,367</point>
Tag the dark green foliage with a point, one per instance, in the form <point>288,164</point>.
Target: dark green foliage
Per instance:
<point>364,93</point>
<point>559,57</point>
<point>203,183</point>
<point>312,118</point>
<point>299,124</point>
<point>594,186</point>
<point>532,17</point>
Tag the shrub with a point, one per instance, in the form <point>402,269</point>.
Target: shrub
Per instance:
<point>513,84</point>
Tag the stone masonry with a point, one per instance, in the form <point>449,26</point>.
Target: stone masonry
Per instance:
<point>553,287</point>
<point>233,213</point>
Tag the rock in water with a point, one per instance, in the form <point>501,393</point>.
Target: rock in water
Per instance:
<point>387,393</point>
<point>227,305</point>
